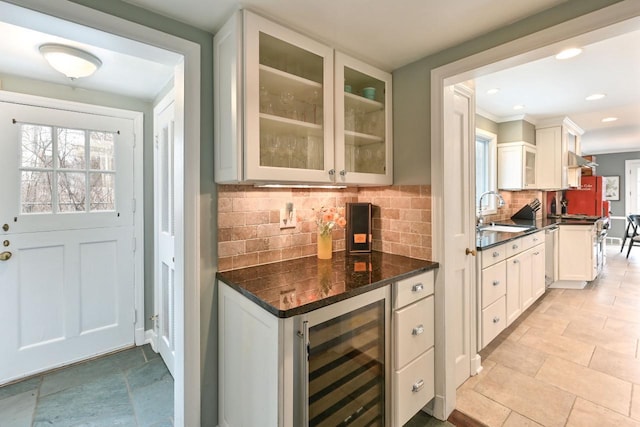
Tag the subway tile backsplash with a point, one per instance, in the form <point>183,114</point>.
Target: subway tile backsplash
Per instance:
<point>249,222</point>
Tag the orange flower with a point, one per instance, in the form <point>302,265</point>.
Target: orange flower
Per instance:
<point>342,222</point>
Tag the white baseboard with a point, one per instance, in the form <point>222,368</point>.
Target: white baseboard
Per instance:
<point>150,337</point>
<point>139,336</point>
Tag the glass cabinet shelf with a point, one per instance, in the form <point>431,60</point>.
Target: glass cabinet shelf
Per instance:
<point>356,101</point>
<point>282,125</point>
<point>357,138</point>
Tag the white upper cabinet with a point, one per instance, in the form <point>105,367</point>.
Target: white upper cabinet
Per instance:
<point>275,104</point>
<point>555,140</point>
<point>363,123</point>
<point>516,166</point>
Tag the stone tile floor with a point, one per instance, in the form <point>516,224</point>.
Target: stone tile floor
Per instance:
<point>571,359</point>
<point>129,388</point>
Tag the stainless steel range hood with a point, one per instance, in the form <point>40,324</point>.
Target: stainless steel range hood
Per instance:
<point>576,161</point>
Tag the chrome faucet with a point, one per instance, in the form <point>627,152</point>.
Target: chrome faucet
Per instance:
<point>480,219</point>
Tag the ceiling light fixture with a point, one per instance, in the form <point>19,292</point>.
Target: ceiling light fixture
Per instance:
<point>518,107</point>
<point>493,91</point>
<point>73,63</point>
<point>595,96</point>
<point>569,53</point>
<point>609,119</point>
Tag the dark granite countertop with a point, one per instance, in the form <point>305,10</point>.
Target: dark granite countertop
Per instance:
<point>489,239</point>
<point>298,286</point>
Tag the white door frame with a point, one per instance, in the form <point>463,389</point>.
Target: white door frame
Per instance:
<point>138,191</point>
<point>187,84</point>
<point>544,43</point>
<point>628,165</point>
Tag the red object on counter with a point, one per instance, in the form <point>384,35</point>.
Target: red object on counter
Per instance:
<point>589,199</point>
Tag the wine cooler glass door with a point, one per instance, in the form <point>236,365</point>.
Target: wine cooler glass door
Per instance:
<point>346,368</point>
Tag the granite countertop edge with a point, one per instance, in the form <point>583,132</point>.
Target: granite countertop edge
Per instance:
<point>539,225</point>
<point>332,299</point>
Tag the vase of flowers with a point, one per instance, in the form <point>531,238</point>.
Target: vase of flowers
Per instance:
<point>326,220</point>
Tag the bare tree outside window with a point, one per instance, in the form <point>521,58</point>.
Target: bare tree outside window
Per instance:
<point>84,166</point>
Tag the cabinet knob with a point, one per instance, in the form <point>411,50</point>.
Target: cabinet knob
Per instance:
<point>514,247</point>
<point>418,287</point>
<point>417,386</point>
<point>516,261</point>
<point>496,282</point>
<point>5,227</point>
<point>496,319</point>
<point>332,172</point>
<point>536,253</point>
<point>496,254</point>
<point>343,172</point>
<point>535,239</point>
<point>417,330</point>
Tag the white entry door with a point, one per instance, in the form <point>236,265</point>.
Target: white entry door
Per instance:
<point>459,227</point>
<point>66,226</point>
<point>164,317</point>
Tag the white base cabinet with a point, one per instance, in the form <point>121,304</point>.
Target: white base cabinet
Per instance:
<point>296,371</point>
<point>511,278</point>
<point>578,257</point>
<point>413,343</point>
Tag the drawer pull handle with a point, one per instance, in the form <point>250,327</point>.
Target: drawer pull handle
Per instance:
<point>535,239</point>
<point>496,254</point>
<point>418,287</point>
<point>417,330</point>
<point>536,253</point>
<point>514,247</point>
<point>417,386</point>
<point>496,319</point>
<point>496,282</point>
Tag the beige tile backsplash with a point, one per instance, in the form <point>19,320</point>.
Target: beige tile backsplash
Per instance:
<point>249,230</point>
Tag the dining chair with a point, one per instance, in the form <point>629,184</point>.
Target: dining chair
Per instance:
<point>631,232</point>
<point>635,239</point>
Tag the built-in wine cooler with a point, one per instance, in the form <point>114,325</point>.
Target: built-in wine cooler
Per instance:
<point>346,370</point>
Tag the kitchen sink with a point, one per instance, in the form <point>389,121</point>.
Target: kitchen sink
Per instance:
<point>505,228</point>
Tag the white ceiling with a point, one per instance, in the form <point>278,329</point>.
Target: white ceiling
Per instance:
<point>128,68</point>
<point>377,31</point>
<point>551,88</point>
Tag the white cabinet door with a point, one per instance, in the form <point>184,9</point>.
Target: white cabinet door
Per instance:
<point>516,166</point>
<point>526,279</point>
<point>576,252</point>
<point>538,271</point>
<point>274,104</point>
<point>363,122</point>
<point>514,269</point>
<point>551,171</point>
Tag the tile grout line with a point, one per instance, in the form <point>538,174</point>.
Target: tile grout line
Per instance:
<point>35,407</point>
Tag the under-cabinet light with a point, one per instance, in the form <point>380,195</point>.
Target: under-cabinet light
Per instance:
<point>569,53</point>
<point>300,186</point>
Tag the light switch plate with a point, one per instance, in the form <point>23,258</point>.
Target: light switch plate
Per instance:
<point>288,218</point>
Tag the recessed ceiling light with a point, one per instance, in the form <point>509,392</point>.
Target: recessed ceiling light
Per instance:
<point>493,91</point>
<point>518,107</point>
<point>569,53</point>
<point>609,119</point>
<point>595,96</point>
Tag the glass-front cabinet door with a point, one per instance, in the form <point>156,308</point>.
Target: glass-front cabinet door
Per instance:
<point>363,136</point>
<point>288,104</point>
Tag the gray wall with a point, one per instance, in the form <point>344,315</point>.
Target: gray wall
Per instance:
<point>486,124</point>
<point>516,131</point>
<point>609,165</point>
<point>412,87</point>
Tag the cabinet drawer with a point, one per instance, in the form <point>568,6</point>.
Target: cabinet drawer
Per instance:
<point>516,246</point>
<point>494,283</point>
<point>492,255</point>
<point>412,289</point>
<point>534,239</point>
<point>413,387</point>
<point>493,320</point>
<point>413,330</point>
